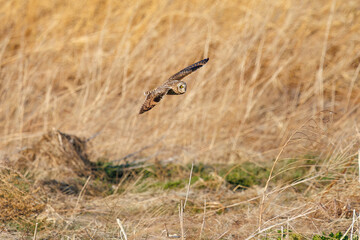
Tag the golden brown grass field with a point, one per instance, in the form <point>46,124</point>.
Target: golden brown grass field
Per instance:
<point>264,144</point>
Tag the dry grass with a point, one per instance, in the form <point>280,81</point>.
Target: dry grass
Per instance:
<point>282,82</point>
<point>17,197</point>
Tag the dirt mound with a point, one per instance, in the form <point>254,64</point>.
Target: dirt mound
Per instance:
<point>56,156</point>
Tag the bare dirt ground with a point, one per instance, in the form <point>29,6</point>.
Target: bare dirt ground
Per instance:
<point>263,145</point>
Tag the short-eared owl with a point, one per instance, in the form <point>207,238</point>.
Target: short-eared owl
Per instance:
<point>173,86</point>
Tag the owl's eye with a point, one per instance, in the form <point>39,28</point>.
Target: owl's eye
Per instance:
<point>181,86</point>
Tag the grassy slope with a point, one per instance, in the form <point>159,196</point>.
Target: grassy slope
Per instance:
<point>82,67</point>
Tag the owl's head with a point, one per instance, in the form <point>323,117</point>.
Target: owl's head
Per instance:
<point>181,87</point>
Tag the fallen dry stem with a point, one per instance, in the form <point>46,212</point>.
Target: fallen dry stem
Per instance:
<point>122,231</point>
<point>35,231</point>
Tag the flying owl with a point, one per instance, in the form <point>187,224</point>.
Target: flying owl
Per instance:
<point>173,86</point>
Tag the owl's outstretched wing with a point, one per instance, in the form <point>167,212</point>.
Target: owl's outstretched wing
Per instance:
<point>153,97</point>
<point>186,71</point>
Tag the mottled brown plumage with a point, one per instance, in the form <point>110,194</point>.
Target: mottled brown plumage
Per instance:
<point>173,86</point>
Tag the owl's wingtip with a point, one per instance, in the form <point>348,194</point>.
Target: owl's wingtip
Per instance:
<point>204,61</point>
<point>142,110</point>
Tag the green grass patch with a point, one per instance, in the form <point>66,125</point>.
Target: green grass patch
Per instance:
<point>334,236</point>
<point>245,175</point>
<point>175,176</point>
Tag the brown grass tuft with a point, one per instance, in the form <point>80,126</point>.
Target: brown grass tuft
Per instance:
<point>17,198</point>
<point>56,156</point>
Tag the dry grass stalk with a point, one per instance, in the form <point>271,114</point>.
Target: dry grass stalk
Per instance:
<point>122,231</point>
<point>188,186</point>
<point>81,194</point>
<point>181,218</point>
<point>35,231</point>
<point>203,221</point>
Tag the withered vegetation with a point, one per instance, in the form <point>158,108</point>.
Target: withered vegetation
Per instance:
<point>268,130</point>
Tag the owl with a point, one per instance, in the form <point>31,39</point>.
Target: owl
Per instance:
<point>173,86</point>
